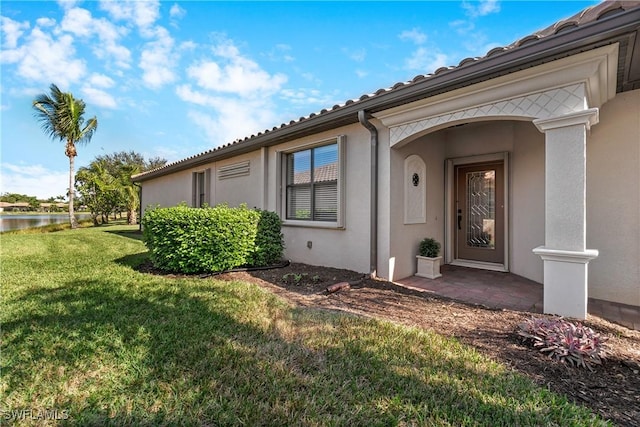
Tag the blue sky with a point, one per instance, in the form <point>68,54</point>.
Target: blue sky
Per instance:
<point>173,79</point>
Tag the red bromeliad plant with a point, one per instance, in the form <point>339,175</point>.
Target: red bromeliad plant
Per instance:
<point>565,341</point>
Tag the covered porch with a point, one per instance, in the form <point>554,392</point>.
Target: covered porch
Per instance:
<point>499,290</point>
<point>518,141</point>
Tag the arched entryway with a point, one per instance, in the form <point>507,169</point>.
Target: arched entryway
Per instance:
<point>561,99</point>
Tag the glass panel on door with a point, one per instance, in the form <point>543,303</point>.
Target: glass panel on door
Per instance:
<point>481,209</point>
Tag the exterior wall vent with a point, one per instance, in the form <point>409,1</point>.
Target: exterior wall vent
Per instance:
<point>234,170</point>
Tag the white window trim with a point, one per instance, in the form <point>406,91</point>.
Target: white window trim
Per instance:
<point>281,167</point>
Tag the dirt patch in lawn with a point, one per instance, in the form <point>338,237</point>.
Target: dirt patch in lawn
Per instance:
<point>612,389</point>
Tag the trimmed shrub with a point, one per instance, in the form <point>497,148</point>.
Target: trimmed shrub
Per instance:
<point>199,240</point>
<point>565,341</point>
<point>429,247</point>
<point>269,244</point>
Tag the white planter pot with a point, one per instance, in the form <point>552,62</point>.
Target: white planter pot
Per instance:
<point>429,267</point>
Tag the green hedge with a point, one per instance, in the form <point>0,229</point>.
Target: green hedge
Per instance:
<point>192,240</point>
<point>269,245</point>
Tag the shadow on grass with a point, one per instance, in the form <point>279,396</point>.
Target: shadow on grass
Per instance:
<point>131,234</point>
<point>133,260</point>
<point>121,354</point>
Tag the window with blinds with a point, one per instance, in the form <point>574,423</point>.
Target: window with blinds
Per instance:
<point>312,184</point>
<point>201,188</point>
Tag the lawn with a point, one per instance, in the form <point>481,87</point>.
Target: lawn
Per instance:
<point>87,338</point>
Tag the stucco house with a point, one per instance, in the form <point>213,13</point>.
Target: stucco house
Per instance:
<point>526,160</point>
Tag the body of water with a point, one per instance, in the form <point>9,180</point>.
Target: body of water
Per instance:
<point>19,222</point>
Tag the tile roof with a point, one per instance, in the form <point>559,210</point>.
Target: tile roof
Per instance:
<point>592,14</point>
<point>328,172</point>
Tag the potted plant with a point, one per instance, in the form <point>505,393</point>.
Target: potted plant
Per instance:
<point>428,259</point>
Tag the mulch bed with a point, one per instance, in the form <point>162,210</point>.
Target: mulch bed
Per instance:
<point>611,390</point>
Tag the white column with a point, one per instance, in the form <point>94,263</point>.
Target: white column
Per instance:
<point>564,253</point>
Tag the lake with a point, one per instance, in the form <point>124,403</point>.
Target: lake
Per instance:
<point>19,222</point>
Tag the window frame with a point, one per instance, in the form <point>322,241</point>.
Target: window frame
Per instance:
<point>282,167</point>
<point>201,188</point>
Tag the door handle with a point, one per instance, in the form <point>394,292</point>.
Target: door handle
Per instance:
<point>459,219</point>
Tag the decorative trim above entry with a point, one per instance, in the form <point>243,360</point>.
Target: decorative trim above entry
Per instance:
<point>543,105</point>
<point>554,89</point>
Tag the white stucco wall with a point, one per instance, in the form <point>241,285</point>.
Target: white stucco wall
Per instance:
<point>527,201</point>
<point>404,238</point>
<point>613,201</point>
<point>339,248</point>
<point>168,190</point>
<point>176,188</point>
<point>525,146</point>
<point>241,189</point>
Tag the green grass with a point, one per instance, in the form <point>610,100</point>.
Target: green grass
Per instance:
<point>84,333</point>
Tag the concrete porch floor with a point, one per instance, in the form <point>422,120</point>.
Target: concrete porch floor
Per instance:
<point>505,290</point>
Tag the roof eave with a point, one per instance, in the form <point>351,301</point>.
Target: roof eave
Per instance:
<point>588,36</point>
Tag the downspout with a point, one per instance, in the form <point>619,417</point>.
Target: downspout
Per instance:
<point>363,117</point>
<point>135,184</point>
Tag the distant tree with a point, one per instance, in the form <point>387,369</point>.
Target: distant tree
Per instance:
<point>33,201</point>
<point>16,198</point>
<point>106,187</point>
<point>115,161</point>
<point>98,190</point>
<point>130,192</point>
<point>154,163</point>
<point>121,166</point>
<point>61,117</point>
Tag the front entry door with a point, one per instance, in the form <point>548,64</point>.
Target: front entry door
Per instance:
<point>479,212</point>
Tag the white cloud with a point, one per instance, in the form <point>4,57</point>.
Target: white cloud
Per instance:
<point>33,180</point>
<point>177,12</point>
<point>45,22</point>
<point>109,36</point>
<point>79,22</point>
<point>228,118</point>
<point>234,119</point>
<point>12,31</point>
<point>362,73</point>
<point>280,52</point>
<point>189,45</point>
<point>426,61</point>
<point>157,59</point>
<point>235,93</point>
<point>462,27</point>
<point>143,14</point>
<point>102,81</point>
<point>358,55</point>
<point>189,95</point>
<point>481,8</point>
<point>67,4</point>
<point>45,59</point>
<point>98,97</point>
<point>306,96</point>
<point>414,35</point>
<point>235,74</point>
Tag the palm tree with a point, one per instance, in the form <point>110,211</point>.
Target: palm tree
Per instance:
<point>130,191</point>
<point>61,117</point>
